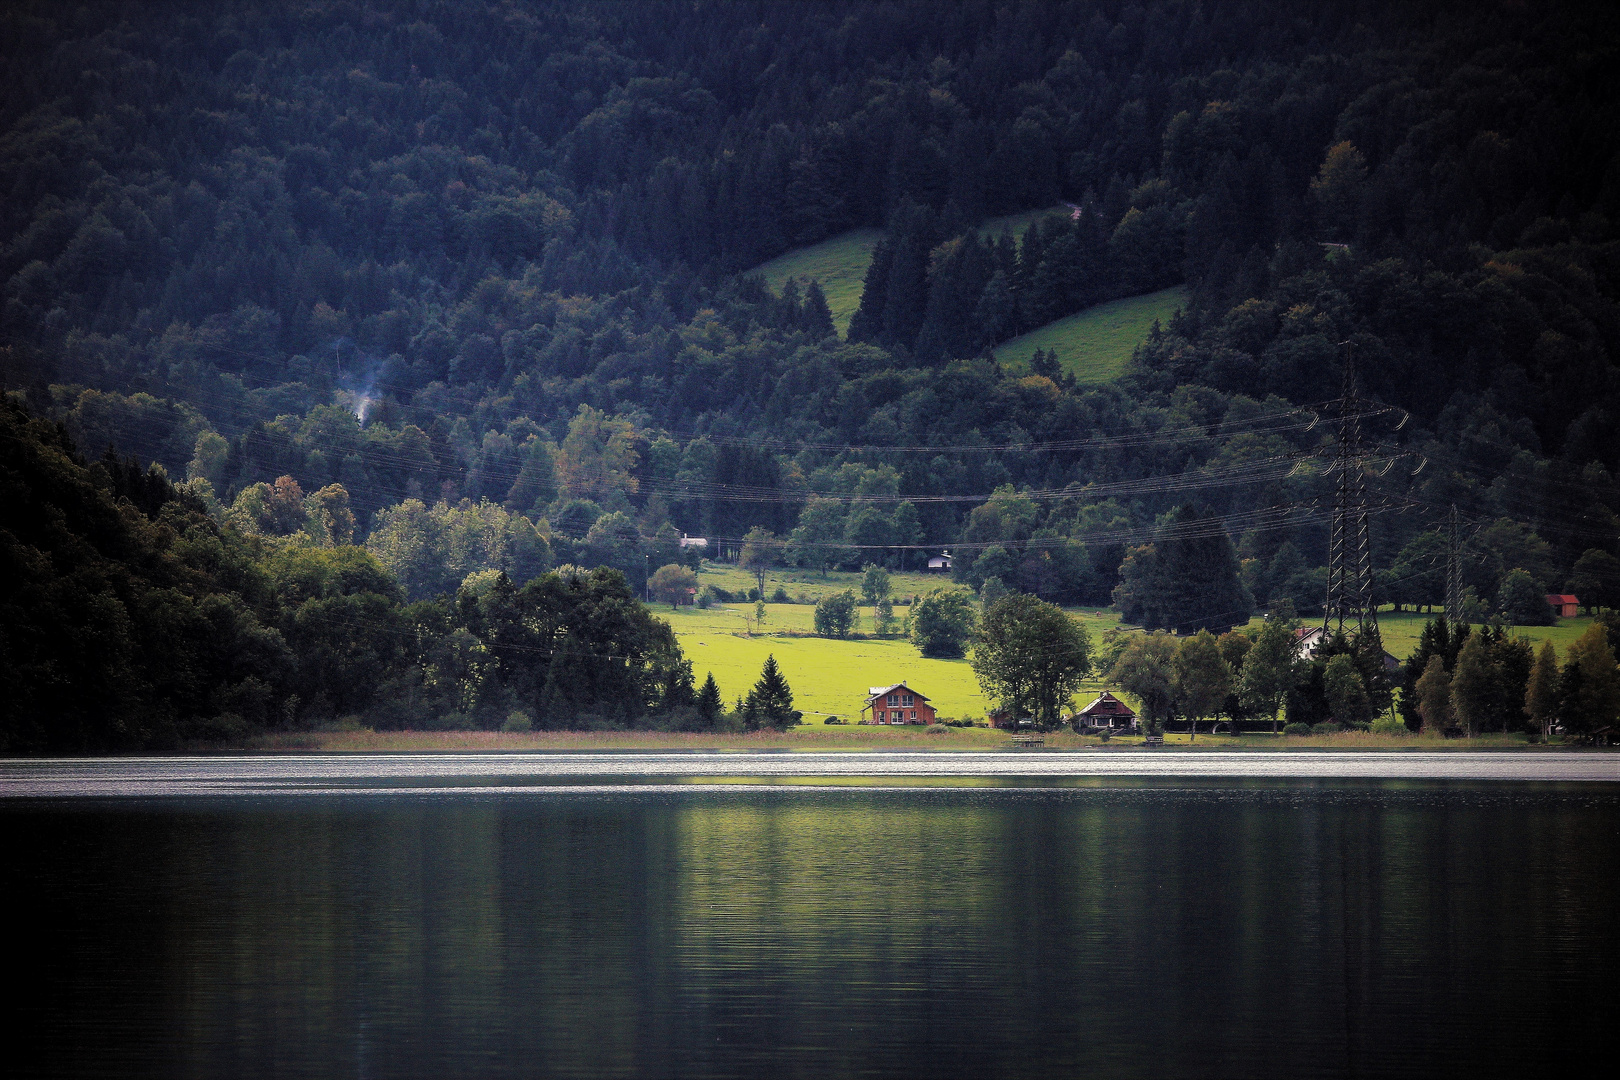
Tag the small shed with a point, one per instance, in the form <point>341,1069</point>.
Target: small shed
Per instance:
<point>896,704</point>
<point>1004,719</point>
<point>941,563</point>
<point>1564,605</point>
<point>700,542</point>
<point>1107,711</point>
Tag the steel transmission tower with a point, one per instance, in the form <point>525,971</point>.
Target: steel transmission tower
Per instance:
<point>1350,578</point>
<point>1454,585</point>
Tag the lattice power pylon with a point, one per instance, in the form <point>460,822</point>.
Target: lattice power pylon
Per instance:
<point>1454,580</point>
<point>1350,577</point>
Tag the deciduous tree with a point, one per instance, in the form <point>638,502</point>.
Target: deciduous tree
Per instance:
<point>1541,692</point>
<point>673,584</point>
<point>942,623</point>
<point>1434,696</point>
<point>1201,678</point>
<point>1146,670</point>
<point>1031,657</point>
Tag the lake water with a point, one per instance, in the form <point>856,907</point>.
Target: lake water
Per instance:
<point>1132,927</point>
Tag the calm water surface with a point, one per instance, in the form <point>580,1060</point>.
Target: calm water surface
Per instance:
<point>1132,928</point>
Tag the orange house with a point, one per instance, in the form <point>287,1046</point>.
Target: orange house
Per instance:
<point>897,704</point>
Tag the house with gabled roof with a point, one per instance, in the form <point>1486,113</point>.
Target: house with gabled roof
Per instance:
<point>1106,711</point>
<point>896,704</point>
<point>1564,605</point>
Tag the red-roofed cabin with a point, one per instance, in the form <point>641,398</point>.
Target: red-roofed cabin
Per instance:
<point>1107,711</point>
<point>1564,605</point>
<point>897,704</point>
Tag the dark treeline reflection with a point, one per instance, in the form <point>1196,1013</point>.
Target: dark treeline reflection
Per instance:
<point>1120,931</point>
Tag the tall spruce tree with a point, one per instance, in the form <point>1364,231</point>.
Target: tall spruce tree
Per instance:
<point>770,703</point>
<point>1187,580</point>
<point>708,700</point>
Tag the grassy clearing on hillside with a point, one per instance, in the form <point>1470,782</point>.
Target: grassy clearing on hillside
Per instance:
<point>1096,344</point>
<point>838,263</point>
<point>1018,224</point>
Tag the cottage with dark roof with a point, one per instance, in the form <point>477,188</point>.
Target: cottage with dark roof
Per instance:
<point>1107,711</point>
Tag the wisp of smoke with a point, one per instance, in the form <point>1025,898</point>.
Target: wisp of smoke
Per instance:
<point>357,385</point>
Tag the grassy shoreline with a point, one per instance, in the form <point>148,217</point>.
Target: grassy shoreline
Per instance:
<point>840,739</point>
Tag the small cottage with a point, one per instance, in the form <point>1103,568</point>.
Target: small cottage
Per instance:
<point>1106,712</point>
<point>1564,605</point>
<point>897,704</point>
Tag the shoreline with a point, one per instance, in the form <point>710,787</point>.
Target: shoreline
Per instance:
<point>262,775</point>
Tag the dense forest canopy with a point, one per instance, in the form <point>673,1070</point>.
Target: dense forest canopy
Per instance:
<point>466,282</point>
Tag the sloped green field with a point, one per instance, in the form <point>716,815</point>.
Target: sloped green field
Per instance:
<point>838,263</point>
<point>1018,224</point>
<point>1096,344</point>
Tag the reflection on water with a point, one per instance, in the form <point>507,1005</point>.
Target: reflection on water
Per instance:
<point>1264,930</point>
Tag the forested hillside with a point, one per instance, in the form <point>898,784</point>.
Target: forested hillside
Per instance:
<point>459,281</point>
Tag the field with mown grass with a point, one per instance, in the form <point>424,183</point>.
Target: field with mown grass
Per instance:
<point>828,676</point>
<point>1401,631</point>
<point>1095,344</point>
<point>840,262</point>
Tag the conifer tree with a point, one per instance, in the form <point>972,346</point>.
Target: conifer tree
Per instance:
<point>817,319</point>
<point>770,702</point>
<point>708,700</point>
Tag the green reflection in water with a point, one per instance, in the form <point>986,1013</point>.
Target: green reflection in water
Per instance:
<point>1135,928</point>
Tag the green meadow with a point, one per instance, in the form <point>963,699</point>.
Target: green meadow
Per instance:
<point>828,677</point>
<point>840,262</point>
<point>1402,630</point>
<point>1095,344</point>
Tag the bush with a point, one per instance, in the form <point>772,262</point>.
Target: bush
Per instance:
<point>1388,725</point>
<point>835,615</point>
<point>832,720</point>
<point>943,623</point>
<point>780,596</point>
<point>1326,727</point>
<point>518,720</point>
<point>936,729</point>
<point>1296,728</point>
